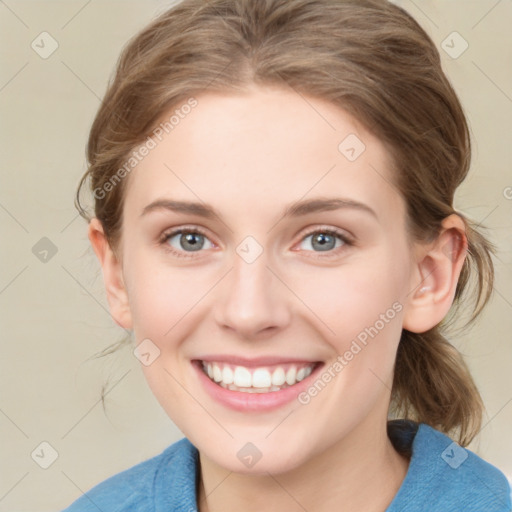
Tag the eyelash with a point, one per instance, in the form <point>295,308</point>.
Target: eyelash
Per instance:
<point>347,242</point>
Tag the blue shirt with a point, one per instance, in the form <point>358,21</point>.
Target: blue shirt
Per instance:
<point>442,477</point>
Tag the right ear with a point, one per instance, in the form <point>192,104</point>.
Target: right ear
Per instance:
<point>117,295</point>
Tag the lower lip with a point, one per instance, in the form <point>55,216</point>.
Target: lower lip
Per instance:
<point>244,401</point>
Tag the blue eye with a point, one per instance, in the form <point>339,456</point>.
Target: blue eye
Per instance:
<point>188,240</point>
<point>326,240</point>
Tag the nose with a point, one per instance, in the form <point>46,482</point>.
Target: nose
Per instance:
<point>254,302</point>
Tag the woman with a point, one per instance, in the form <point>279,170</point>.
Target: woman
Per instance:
<point>274,218</point>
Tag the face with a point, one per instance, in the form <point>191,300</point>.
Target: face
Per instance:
<point>302,303</point>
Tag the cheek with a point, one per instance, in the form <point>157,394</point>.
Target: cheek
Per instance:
<point>361,304</point>
<point>350,298</point>
<point>358,309</point>
<point>162,303</point>
<point>161,297</point>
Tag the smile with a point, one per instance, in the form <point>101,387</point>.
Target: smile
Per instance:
<point>254,385</point>
<point>265,379</point>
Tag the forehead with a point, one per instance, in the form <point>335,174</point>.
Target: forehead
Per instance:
<point>264,147</point>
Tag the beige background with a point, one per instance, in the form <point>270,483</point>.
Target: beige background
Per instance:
<point>54,315</point>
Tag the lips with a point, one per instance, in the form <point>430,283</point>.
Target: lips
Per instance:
<point>253,399</point>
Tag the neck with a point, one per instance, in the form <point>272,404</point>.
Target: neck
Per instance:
<point>360,472</point>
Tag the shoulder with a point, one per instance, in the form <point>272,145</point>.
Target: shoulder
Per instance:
<point>444,476</point>
<point>134,488</point>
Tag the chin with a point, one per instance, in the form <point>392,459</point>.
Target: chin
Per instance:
<point>257,457</point>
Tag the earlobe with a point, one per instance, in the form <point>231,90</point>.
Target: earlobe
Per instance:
<point>117,295</point>
<point>435,280</point>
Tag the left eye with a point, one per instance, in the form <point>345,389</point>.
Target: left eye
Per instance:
<point>325,240</point>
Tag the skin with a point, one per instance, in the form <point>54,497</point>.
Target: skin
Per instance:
<point>249,155</point>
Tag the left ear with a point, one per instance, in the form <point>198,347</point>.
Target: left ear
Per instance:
<point>435,278</point>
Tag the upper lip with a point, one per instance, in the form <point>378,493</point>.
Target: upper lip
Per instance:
<point>256,361</point>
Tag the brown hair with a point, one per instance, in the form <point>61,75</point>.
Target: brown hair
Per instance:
<point>371,58</point>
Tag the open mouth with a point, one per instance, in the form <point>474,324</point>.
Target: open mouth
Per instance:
<point>264,379</point>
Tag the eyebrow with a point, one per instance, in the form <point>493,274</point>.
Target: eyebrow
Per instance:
<point>296,209</point>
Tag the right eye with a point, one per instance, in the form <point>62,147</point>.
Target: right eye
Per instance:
<point>186,238</point>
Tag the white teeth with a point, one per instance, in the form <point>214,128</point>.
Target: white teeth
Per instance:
<point>242,377</point>
<point>227,375</point>
<point>290,376</point>
<point>261,378</point>
<point>257,380</point>
<point>217,374</point>
<point>278,377</point>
